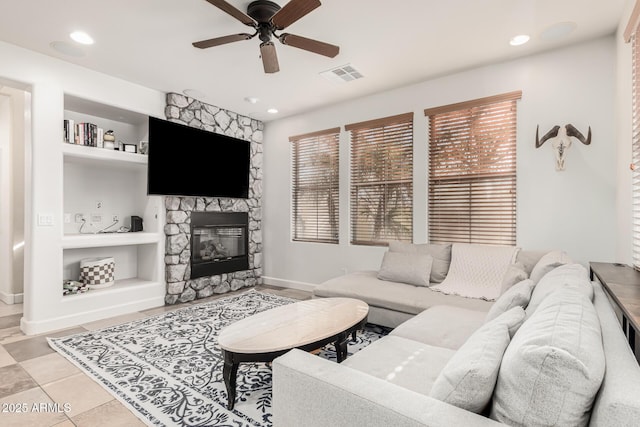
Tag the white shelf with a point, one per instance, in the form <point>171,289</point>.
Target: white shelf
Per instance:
<point>77,241</point>
<point>120,286</point>
<point>100,156</point>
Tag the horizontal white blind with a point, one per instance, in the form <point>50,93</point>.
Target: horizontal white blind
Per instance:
<point>315,198</point>
<point>472,173</point>
<point>382,180</point>
<point>635,143</point>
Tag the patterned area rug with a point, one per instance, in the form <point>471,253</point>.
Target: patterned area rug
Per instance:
<point>167,369</point>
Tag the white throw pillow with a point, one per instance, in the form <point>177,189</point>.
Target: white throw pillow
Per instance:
<point>515,274</point>
<point>468,379</point>
<point>476,271</point>
<point>517,295</point>
<point>413,269</point>
<point>441,254</point>
<point>554,366</point>
<point>547,263</point>
<point>566,276</point>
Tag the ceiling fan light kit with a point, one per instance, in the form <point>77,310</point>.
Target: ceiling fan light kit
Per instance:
<point>267,17</point>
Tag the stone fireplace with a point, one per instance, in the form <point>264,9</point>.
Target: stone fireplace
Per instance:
<point>223,269</point>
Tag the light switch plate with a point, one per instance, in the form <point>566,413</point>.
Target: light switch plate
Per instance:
<point>45,219</point>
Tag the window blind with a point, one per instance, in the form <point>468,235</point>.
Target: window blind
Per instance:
<point>635,144</point>
<point>315,199</point>
<point>472,173</point>
<point>382,180</point>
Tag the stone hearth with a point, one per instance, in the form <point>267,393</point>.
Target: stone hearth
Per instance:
<point>180,286</point>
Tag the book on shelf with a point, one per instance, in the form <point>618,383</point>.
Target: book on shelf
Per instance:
<point>69,130</point>
<point>87,134</point>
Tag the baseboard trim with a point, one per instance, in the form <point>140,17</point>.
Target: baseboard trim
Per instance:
<point>11,298</point>
<point>291,284</point>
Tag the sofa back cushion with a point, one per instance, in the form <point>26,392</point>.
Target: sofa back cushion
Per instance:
<point>516,296</point>
<point>515,274</point>
<point>529,259</point>
<point>441,254</point>
<point>554,365</point>
<point>548,262</point>
<point>410,268</point>
<point>566,276</point>
<point>468,379</point>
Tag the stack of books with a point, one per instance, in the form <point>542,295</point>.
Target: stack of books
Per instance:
<point>83,133</point>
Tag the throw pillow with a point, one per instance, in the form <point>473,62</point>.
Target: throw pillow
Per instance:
<point>554,366</point>
<point>573,276</point>
<point>515,274</point>
<point>517,295</point>
<point>441,254</point>
<point>547,263</point>
<point>468,379</point>
<point>413,269</point>
<point>476,271</point>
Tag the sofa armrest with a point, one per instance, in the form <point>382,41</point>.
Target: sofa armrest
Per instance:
<point>311,391</point>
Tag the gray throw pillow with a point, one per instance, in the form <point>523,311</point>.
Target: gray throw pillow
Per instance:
<point>413,269</point>
<point>554,366</point>
<point>441,254</point>
<point>515,274</point>
<point>517,295</point>
<point>468,379</point>
<point>547,263</point>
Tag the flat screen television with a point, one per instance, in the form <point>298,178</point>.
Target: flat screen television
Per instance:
<point>186,161</point>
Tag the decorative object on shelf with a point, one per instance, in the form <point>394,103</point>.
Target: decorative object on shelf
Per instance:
<point>72,287</point>
<point>136,223</point>
<point>561,141</point>
<point>144,147</point>
<point>109,140</point>
<point>97,273</point>
<point>130,148</point>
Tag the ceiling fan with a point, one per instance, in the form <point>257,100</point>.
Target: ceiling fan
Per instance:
<point>266,17</point>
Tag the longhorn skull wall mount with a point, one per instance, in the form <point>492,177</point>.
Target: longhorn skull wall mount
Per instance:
<point>561,141</point>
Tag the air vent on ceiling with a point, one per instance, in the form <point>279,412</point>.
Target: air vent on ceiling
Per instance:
<point>344,73</point>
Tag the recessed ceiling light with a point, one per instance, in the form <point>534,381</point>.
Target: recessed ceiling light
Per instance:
<point>251,99</point>
<point>194,93</point>
<point>558,30</point>
<point>81,37</point>
<point>67,48</point>
<point>519,40</point>
<point>272,111</point>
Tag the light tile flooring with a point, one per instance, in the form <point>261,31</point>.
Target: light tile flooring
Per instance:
<point>38,387</point>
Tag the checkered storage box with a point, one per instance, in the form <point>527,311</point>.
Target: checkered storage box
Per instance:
<point>97,273</point>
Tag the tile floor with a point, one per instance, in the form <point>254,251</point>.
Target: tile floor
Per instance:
<point>40,388</point>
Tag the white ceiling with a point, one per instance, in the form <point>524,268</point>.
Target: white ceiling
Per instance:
<point>393,43</point>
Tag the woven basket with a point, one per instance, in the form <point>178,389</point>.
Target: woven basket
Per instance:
<point>97,273</point>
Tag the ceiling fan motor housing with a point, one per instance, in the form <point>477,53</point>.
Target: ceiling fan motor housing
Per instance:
<point>262,10</point>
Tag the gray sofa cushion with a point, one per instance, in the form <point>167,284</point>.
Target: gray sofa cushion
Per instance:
<point>515,274</point>
<point>554,365</point>
<point>566,276</point>
<point>442,325</point>
<point>409,268</point>
<point>468,379</point>
<point>547,263</point>
<point>529,259</point>
<point>441,256</point>
<point>517,295</point>
<point>387,359</point>
<point>365,285</point>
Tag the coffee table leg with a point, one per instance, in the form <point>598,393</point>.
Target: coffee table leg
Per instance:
<point>229,373</point>
<point>341,347</point>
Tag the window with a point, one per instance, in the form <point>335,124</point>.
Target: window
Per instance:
<point>472,173</point>
<point>315,186</point>
<point>635,143</point>
<point>382,180</point>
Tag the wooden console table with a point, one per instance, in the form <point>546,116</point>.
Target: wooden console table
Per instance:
<point>622,283</point>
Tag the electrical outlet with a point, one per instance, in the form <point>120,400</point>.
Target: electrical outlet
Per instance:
<point>80,217</point>
<point>67,218</point>
<point>96,217</point>
<point>115,218</point>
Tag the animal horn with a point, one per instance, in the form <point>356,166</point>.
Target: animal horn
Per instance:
<point>551,134</point>
<point>572,131</point>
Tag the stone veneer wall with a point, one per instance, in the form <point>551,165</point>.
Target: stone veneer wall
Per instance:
<point>180,287</point>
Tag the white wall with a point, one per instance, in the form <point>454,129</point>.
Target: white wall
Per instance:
<point>573,210</point>
<point>6,229</point>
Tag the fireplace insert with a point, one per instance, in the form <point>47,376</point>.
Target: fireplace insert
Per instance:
<point>219,243</point>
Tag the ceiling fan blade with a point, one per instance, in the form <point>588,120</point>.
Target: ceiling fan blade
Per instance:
<point>240,16</point>
<point>203,44</point>
<point>311,45</point>
<point>269,57</point>
<point>293,11</point>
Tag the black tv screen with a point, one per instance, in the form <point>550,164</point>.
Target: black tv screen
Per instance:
<point>186,161</point>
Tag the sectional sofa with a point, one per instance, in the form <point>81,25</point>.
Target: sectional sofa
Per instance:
<point>548,351</point>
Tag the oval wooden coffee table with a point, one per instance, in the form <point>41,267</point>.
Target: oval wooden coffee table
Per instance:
<point>307,325</point>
